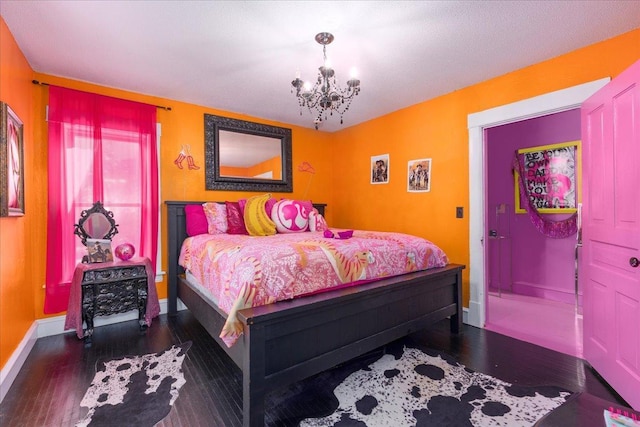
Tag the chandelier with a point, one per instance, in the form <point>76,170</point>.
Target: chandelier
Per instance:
<point>325,96</point>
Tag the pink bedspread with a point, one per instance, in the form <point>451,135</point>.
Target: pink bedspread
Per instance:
<point>243,271</point>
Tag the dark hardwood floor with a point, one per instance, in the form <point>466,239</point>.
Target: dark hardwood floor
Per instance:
<point>52,382</point>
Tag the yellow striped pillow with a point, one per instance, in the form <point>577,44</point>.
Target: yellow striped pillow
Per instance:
<point>256,219</point>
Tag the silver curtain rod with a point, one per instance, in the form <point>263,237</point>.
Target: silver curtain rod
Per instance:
<point>36,82</point>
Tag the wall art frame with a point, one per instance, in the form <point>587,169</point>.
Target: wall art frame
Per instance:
<point>380,169</point>
<point>11,162</point>
<point>552,173</point>
<point>419,176</point>
<point>216,180</point>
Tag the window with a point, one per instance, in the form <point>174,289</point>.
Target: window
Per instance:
<point>100,148</point>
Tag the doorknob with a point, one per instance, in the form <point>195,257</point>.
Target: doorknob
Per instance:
<point>634,262</point>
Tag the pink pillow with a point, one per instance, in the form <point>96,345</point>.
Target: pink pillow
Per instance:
<point>196,220</point>
<point>216,214</point>
<point>268,207</point>
<point>317,221</point>
<point>235,219</point>
<point>291,216</point>
<point>242,203</point>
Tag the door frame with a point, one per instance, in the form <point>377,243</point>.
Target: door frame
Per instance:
<point>542,105</point>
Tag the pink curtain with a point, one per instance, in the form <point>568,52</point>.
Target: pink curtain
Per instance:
<point>100,148</point>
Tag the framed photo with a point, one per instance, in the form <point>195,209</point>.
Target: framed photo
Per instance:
<point>99,250</point>
<point>419,176</point>
<point>550,177</point>
<point>380,169</point>
<point>11,163</point>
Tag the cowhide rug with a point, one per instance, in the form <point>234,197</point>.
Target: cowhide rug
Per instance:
<point>419,389</point>
<point>135,390</point>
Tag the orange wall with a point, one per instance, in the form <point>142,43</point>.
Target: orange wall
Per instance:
<point>433,129</point>
<point>437,129</point>
<point>21,238</point>
<point>273,165</point>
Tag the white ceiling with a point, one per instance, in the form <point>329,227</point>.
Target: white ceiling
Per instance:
<point>241,56</point>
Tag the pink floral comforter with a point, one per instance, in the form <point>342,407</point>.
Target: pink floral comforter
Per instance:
<point>243,271</point>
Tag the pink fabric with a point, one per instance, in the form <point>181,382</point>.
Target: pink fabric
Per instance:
<point>73,318</point>
<point>196,220</point>
<point>216,214</point>
<point>317,221</point>
<point>241,204</point>
<point>243,271</point>
<point>84,129</point>
<point>556,229</point>
<point>268,207</point>
<point>235,219</point>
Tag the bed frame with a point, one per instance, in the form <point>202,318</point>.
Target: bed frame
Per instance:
<point>290,340</point>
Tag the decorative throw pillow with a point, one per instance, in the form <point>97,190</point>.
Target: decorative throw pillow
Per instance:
<point>291,216</point>
<point>196,220</point>
<point>255,217</point>
<point>242,203</point>
<point>235,221</point>
<point>317,221</point>
<point>267,207</point>
<point>216,214</point>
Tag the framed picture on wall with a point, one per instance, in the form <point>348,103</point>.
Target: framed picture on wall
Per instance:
<point>550,178</point>
<point>419,176</point>
<point>380,169</point>
<point>11,163</point>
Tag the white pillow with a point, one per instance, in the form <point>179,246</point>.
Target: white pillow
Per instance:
<point>291,216</point>
<point>317,221</point>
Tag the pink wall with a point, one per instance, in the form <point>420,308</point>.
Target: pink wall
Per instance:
<point>538,265</point>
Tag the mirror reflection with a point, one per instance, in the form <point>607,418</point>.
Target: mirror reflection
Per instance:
<point>246,156</point>
<point>243,155</point>
<point>95,223</point>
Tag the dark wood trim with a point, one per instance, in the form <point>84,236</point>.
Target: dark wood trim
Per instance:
<point>291,340</point>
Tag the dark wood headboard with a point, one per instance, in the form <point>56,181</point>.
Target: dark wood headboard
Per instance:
<point>176,233</point>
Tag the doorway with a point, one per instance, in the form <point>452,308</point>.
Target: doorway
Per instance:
<point>531,278</point>
<point>479,125</point>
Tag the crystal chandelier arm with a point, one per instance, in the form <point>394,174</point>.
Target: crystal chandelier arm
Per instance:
<point>325,95</point>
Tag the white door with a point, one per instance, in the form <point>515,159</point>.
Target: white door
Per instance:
<point>610,270</point>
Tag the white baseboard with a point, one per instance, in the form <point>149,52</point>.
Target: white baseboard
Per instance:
<point>465,316</point>
<point>473,315</point>
<point>10,370</point>
<point>55,326</point>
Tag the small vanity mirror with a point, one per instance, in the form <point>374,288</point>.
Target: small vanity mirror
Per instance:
<point>96,223</point>
<point>246,156</point>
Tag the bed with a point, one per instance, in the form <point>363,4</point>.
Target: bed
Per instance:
<point>290,340</point>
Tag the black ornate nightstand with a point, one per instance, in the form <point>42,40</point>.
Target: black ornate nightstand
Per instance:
<point>102,289</point>
<point>115,289</point>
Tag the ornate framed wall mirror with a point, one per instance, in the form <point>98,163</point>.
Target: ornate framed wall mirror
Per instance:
<point>96,223</point>
<point>246,156</point>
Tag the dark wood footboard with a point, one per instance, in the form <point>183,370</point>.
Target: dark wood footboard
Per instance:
<point>291,340</point>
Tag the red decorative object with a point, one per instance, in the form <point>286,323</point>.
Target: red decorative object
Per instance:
<point>125,251</point>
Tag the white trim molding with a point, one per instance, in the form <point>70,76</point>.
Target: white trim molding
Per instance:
<point>10,370</point>
<point>542,105</point>
<point>55,326</point>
